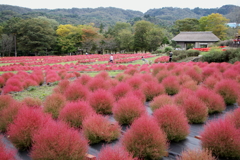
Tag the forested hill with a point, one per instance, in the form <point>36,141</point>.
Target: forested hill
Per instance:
<point>109,16</point>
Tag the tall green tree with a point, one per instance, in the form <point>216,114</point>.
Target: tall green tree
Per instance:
<point>126,39</point>
<point>154,38</point>
<point>141,29</point>
<point>35,35</point>
<point>216,23</point>
<point>187,24</point>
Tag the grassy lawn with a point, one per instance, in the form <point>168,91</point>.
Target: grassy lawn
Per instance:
<point>36,92</point>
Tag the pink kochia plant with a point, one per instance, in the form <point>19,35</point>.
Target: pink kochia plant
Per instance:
<point>75,112</point>
<point>101,101</point>
<point>171,85</point>
<point>152,89</point>
<point>196,111</point>
<point>114,153</point>
<point>145,139</point>
<point>27,122</point>
<point>196,154</point>
<point>234,117</point>
<point>127,109</point>
<point>6,153</point>
<point>8,114</point>
<point>213,101</point>
<point>160,101</point>
<point>32,102</point>
<point>121,90</point>
<point>97,128</point>
<point>222,138</point>
<point>173,122</point>
<point>76,91</point>
<point>54,103</point>
<point>58,141</point>
<point>228,89</point>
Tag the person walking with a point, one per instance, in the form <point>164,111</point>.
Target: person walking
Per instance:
<point>170,56</point>
<point>111,58</point>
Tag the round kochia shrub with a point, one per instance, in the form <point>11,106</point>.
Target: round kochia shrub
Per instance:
<point>171,85</point>
<point>213,101</point>
<point>53,104</point>
<point>5,101</point>
<point>152,89</point>
<point>75,112</point>
<point>173,122</point>
<point>145,139</point>
<point>97,128</point>
<point>222,138</point>
<point>196,110</point>
<point>6,153</point>
<point>114,153</point>
<point>121,89</point>
<point>160,101</point>
<point>58,141</point>
<point>234,117</point>
<point>8,114</point>
<point>228,89</point>
<point>32,102</point>
<point>76,91</point>
<point>27,122</point>
<point>127,109</point>
<point>101,101</point>
<point>196,154</point>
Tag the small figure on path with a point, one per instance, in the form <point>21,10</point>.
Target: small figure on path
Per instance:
<point>111,58</point>
<point>170,56</point>
<point>144,60</point>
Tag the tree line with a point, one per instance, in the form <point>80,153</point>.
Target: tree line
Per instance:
<point>44,36</point>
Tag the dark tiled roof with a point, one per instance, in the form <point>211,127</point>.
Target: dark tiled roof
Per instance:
<point>206,36</point>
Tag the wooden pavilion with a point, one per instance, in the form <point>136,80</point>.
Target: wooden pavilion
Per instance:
<point>195,39</point>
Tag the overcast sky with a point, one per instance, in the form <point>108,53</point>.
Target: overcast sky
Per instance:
<point>137,5</point>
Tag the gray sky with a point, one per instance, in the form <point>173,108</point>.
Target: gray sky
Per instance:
<point>136,5</point>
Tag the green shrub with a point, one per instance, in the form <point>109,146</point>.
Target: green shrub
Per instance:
<point>192,52</point>
<point>214,56</point>
<point>168,49</point>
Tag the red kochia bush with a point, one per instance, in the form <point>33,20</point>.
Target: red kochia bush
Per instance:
<point>114,153</point>
<point>5,101</point>
<point>2,82</point>
<point>213,101</point>
<point>160,101</point>
<point>58,141</point>
<point>62,86</point>
<point>222,138</point>
<point>228,89</point>
<point>6,153</point>
<point>234,117</point>
<point>145,139</point>
<point>135,82</point>
<point>32,102</point>
<point>152,89</point>
<point>196,154</point>
<point>97,128</point>
<point>173,122</point>
<point>27,122</point>
<point>121,90</point>
<point>13,84</point>
<point>75,112</point>
<point>53,104</point>
<point>97,83</point>
<point>8,114</point>
<point>101,101</point>
<point>76,91</point>
<point>196,110</point>
<point>171,85</point>
<point>127,109</point>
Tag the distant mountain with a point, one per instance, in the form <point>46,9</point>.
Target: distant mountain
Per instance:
<point>110,15</point>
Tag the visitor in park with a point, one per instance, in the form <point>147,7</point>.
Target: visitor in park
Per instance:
<point>111,58</point>
<point>170,56</point>
<point>144,60</point>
